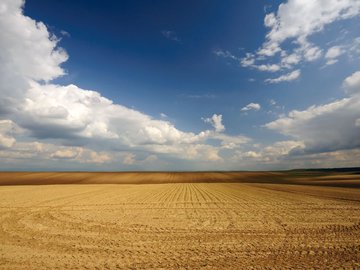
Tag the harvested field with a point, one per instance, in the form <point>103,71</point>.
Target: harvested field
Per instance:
<point>179,226</point>
<point>342,178</point>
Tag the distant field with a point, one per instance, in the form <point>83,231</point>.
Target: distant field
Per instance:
<point>339,177</point>
<point>220,225</point>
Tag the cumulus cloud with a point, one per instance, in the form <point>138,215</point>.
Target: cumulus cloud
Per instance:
<point>352,83</point>
<point>71,112</point>
<point>275,153</point>
<point>251,106</point>
<point>27,52</point>
<point>8,131</point>
<point>251,154</point>
<point>79,154</point>
<point>296,21</point>
<point>282,152</point>
<point>248,60</point>
<point>43,153</point>
<point>332,54</point>
<point>6,141</point>
<point>213,155</point>
<point>216,122</point>
<point>75,124</point>
<point>326,127</point>
<point>282,148</point>
<point>230,141</point>
<point>30,55</point>
<point>285,78</point>
<point>65,153</point>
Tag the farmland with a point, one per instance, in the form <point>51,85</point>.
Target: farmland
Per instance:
<point>223,224</point>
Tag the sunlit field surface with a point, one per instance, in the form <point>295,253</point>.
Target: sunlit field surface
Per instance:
<point>249,224</point>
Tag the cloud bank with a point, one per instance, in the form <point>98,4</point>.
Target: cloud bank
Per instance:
<point>328,127</point>
<point>63,116</point>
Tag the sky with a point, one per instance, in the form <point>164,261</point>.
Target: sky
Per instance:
<point>179,85</point>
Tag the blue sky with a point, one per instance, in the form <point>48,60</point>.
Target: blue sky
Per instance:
<point>177,85</point>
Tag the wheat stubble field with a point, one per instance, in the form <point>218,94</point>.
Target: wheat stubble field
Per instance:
<point>213,221</point>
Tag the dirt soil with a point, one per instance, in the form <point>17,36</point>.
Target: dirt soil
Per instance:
<point>179,226</point>
<point>349,178</point>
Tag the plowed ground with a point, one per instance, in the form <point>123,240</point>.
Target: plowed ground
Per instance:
<point>179,226</point>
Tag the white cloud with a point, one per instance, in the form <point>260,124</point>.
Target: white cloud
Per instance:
<point>271,154</point>
<point>43,63</point>
<point>65,153</point>
<point>213,155</point>
<point>269,67</point>
<point>78,154</point>
<point>332,54</point>
<point>6,141</point>
<point>129,159</point>
<point>72,125</point>
<point>295,22</point>
<point>327,127</point>
<point>170,35</point>
<point>96,157</point>
<point>349,48</point>
<point>251,106</point>
<point>352,83</point>
<point>216,122</point>
<point>290,60</point>
<point>248,60</point>
<point>300,19</point>
<point>8,130</point>
<point>282,148</point>
<point>44,153</point>
<point>224,53</point>
<point>65,33</point>
<point>282,153</point>
<point>285,78</point>
<point>79,125</point>
<point>252,154</point>
<point>30,54</point>
<point>272,102</point>
<point>331,62</point>
<point>230,141</point>
<point>278,152</point>
<point>27,51</point>
<point>312,53</point>
<point>68,111</point>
